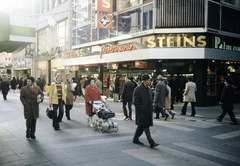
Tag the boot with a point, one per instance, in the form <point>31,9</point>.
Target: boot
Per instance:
<point>90,121</point>
<point>149,138</point>
<point>171,113</point>
<point>137,134</point>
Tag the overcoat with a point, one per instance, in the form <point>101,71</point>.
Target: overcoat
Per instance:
<point>127,92</point>
<point>160,94</point>
<point>116,88</point>
<point>168,99</point>
<point>69,97</point>
<point>53,95</point>
<point>227,98</point>
<point>91,94</point>
<point>13,84</point>
<point>28,98</point>
<point>189,93</point>
<point>142,99</point>
<point>98,84</point>
<point>5,87</point>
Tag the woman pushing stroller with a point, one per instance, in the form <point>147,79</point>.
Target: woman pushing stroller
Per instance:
<point>91,94</point>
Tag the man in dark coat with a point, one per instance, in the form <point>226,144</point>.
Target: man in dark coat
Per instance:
<point>159,100</point>
<point>142,97</point>
<point>128,88</point>
<point>227,101</point>
<point>5,88</point>
<point>31,96</point>
<point>116,88</point>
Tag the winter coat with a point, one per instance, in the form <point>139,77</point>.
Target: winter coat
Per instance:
<point>227,98</point>
<point>98,84</point>
<point>69,98</point>
<point>127,93</point>
<point>28,98</point>
<point>53,95</point>
<point>160,94</point>
<point>142,99</point>
<point>116,88</point>
<point>5,87</point>
<point>91,94</point>
<point>168,99</point>
<point>13,84</point>
<point>189,93</point>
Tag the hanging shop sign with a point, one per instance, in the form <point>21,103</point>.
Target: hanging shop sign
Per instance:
<point>53,53</point>
<point>176,40</point>
<point>222,44</point>
<point>117,48</point>
<point>104,21</point>
<point>104,5</point>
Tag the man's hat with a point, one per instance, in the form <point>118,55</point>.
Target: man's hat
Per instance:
<point>145,77</point>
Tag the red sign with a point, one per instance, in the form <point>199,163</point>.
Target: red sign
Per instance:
<point>104,5</point>
<point>7,59</point>
<point>116,48</point>
<point>104,21</point>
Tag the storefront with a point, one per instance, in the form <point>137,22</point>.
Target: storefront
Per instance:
<point>207,58</point>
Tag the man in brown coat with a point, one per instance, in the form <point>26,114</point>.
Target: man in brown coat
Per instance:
<point>30,97</point>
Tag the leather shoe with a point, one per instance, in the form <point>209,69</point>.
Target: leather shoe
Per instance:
<point>68,118</point>
<point>138,142</point>
<point>126,118</point>
<point>234,123</point>
<point>153,145</point>
<point>27,136</point>
<point>166,117</point>
<point>183,113</point>
<point>192,114</point>
<point>57,129</point>
<point>219,120</point>
<point>156,118</point>
<point>33,136</point>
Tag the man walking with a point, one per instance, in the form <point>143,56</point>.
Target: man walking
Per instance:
<point>5,88</point>
<point>227,101</point>
<point>159,99</point>
<point>127,92</point>
<point>31,96</point>
<point>98,84</point>
<point>189,96</point>
<point>142,97</point>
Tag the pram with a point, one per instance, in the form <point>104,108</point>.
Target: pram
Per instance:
<point>104,113</point>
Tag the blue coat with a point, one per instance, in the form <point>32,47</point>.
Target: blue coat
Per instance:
<point>143,101</point>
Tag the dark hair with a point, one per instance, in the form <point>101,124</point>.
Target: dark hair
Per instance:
<point>190,79</point>
<point>228,80</point>
<point>31,78</point>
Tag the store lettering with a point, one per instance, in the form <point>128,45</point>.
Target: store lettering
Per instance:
<point>73,54</point>
<point>219,44</point>
<point>116,48</point>
<point>52,54</point>
<point>176,41</point>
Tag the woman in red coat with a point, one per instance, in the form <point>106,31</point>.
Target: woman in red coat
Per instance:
<point>91,94</point>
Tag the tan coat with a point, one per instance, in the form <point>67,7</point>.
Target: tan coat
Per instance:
<point>28,98</point>
<point>53,95</point>
<point>189,93</point>
<point>69,98</point>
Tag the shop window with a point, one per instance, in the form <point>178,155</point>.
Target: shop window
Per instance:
<point>147,1</point>
<point>213,15</point>
<point>147,17</point>
<point>129,22</point>
<point>124,4</point>
<point>211,86</point>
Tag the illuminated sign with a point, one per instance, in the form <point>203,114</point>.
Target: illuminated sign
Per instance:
<point>117,48</point>
<point>221,44</point>
<point>104,5</point>
<point>104,21</point>
<point>171,41</point>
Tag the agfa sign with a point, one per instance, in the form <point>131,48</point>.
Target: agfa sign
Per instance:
<point>104,5</point>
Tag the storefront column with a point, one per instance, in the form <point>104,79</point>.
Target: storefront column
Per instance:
<point>200,78</point>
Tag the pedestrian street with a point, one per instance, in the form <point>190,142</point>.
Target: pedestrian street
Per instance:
<point>184,140</point>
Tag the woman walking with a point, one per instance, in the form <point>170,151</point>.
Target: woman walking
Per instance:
<point>13,84</point>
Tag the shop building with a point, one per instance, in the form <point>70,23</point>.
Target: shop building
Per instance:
<point>168,37</point>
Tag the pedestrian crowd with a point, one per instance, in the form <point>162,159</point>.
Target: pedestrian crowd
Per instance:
<point>62,93</point>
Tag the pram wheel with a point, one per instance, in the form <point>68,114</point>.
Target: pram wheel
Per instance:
<point>101,130</point>
<point>115,129</point>
<point>94,126</point>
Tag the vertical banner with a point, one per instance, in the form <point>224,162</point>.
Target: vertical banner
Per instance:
<point>104,5</point>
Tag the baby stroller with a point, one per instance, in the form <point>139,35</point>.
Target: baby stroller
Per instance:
<point>104,113</point>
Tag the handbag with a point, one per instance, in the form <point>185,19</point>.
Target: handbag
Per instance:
<point>49,112</point>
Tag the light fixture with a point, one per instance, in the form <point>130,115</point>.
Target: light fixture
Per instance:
<point>86,69</point>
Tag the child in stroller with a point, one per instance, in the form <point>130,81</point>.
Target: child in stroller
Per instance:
<point>104,113</point>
